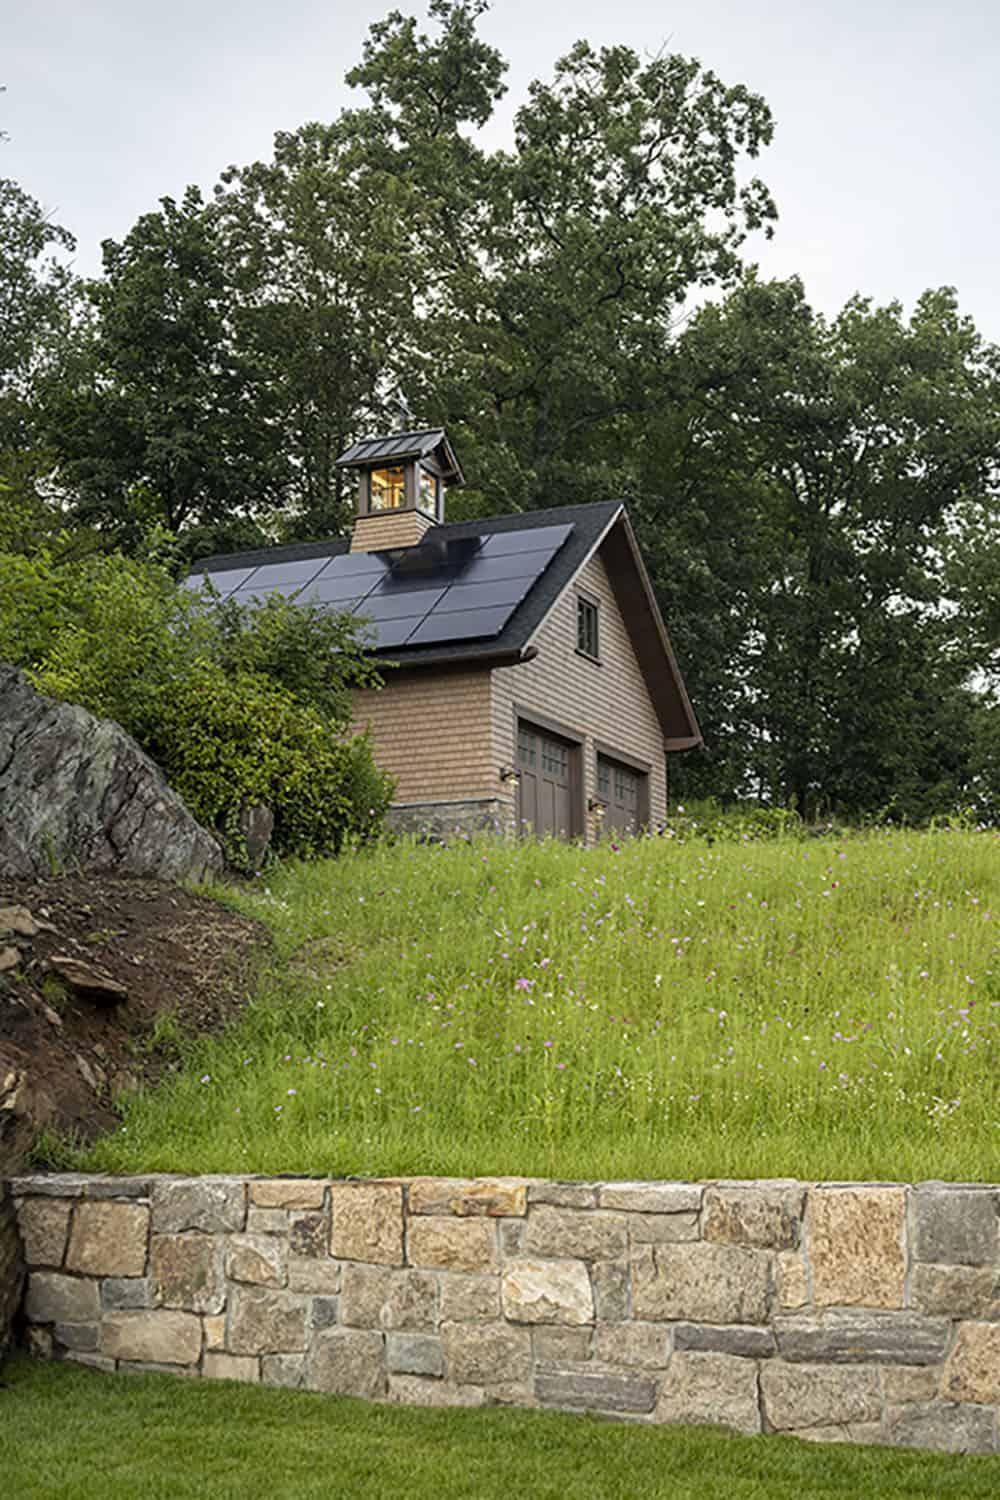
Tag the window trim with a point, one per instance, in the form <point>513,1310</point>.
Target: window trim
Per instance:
<point>585,600</point>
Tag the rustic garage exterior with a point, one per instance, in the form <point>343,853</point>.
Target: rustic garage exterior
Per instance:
<point>545,702</point>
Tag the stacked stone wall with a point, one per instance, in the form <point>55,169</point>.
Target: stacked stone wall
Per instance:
<point>853,1312</point>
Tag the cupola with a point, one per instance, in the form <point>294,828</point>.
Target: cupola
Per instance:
<point>401,483</point>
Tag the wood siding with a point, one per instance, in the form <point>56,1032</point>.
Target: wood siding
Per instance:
<point>389,528</point>
<point>431,730</point>
<point>605,704</point>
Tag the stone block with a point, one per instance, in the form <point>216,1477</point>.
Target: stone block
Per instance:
<point>159,1337</point>
<point>414,1354</point>
<point>128,1294</point>
<point>269,1221</point>
<point>710,1388</point>
<point>594,1235</point>
<point>266,1322</point>
<point>956,1291</point>
<point>766,1216</point>
<point>210,1205</point>
<point>854,1241</point>
<point>588,1388</point>
<point>44,1224</point>
<point>184,1271</point>
<point>288,1192</point>
<point>285,1370</point>
<point>717,1338</point>
<point>847,1432</point>
<point>242,1367</point>
<point>904,1383</point>
<point>153,1367</point>
<point>803,1396</point>
<point>612,1291</point>
<point>793,1287</point>
<point>214,1329</point>
<point>552,1291</point>
<point>367,1222</point>
<point>380,1297</point>
<point>325,1312</point>
<point>944,1426</point>
<point>347,1362</point>
<point>469,1299</point>
<point>701,1283</point>
<point>651,1197</point>
<point>561,1346</point>
<point>486,1353</point>
<point>511,1233</point>
<point>957,1226</point>
<point>308,1235</point>
<point>260,1259</point>
<point>870,1338</point>
<point>53,1298</point>
<point>38,1341</point>
<point>639,1346</point>
<point>662,1229</point>
<point>491,1198</point>
<point>563,1194</point>
<point>420,1390</point>
<point>109,1239</point>
<point>452,1244</point>
<point>76,1336</point>
<point>973,1369</point>
<point>314,1276</point>
<point>91,1361</point>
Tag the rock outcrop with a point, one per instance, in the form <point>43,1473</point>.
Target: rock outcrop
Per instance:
<point>78,795</point>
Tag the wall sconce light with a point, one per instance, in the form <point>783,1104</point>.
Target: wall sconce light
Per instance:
<point>510,776</point>
<point>597,807</point>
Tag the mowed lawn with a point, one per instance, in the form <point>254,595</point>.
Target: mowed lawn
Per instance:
<point>813,1007</point>
<point>71,1434</point>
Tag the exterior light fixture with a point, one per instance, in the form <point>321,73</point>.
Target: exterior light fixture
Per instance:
<point>597,807</point>
<point>509,775</point>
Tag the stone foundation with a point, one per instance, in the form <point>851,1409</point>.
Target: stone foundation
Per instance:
<point>448,820</point>
<point>856,1312</point>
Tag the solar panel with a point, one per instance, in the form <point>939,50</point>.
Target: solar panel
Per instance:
<point>444,589</point>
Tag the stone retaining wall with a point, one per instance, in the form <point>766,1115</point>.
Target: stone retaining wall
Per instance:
<point>838,1312</point>
<point>11,1269</point>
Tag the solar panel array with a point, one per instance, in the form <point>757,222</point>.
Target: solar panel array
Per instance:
<point>427,595</point>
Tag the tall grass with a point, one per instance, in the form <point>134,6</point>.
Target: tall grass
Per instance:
<point>816,1008</point>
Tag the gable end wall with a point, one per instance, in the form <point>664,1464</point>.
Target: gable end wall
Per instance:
<point>608,703</point>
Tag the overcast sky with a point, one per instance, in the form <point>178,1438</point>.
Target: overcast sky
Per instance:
<point>884,163</point>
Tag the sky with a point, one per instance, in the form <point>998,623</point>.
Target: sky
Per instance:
<point>883,165</point>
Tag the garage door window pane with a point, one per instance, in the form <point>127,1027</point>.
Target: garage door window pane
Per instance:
<point>527,752</point>
<point>555,760</point>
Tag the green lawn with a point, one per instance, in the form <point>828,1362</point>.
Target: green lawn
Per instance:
<point>816,1008</point>
<point>70,1434</point>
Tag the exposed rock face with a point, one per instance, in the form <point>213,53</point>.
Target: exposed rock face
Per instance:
<point>79,795</point>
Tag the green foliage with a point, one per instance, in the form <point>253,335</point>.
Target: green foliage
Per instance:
<point>237,706</point>
<point>744,822</point>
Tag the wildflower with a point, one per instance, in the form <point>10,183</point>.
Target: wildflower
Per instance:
<point>206,1078</point>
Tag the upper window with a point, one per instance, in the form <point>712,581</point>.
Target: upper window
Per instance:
<point>587,635</point>
<point>427,491</point>
<point>388,489</point>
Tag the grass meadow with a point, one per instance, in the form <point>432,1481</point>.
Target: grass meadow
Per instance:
<point>826,1008</point>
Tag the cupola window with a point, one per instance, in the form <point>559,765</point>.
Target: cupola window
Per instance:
<point>427,491</point>
<point>388,488</point>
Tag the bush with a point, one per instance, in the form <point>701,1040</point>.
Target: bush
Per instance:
<point>238,706</point>
<point>742,822</point>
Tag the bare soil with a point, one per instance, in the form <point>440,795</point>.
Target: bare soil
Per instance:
<point>68,1054</point>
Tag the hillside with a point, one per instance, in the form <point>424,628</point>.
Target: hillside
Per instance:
<point>816,1008</point>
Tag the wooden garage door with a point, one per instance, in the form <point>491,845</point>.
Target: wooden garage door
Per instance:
<point>545,767</point>
<point>623,790</point>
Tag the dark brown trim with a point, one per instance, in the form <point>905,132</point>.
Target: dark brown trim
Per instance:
<point>547,725</point>
<point>610,753</point>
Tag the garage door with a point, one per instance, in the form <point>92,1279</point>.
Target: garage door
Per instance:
<point>622,789</point>
<point>546,767</point>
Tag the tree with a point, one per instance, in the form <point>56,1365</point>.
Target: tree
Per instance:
<point>849,444</point>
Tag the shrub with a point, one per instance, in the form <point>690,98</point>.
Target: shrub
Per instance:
<point>237,705</point>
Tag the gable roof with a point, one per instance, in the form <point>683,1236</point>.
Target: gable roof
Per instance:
<point>502,635</point>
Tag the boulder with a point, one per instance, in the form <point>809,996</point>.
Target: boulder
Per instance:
<point>79,794</point>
